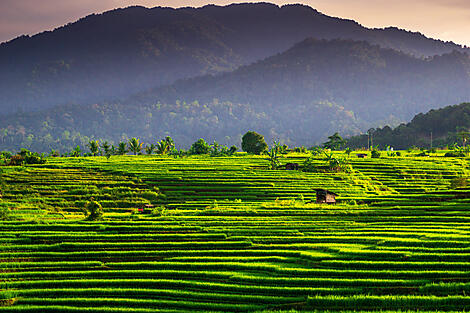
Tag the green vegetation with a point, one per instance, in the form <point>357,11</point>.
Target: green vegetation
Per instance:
<point>231,234</point>
<point>446,127</point>
<point>252,142</point>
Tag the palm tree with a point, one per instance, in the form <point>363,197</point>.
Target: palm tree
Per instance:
<point>162,147</point>
<point>106,147</point>
<point>122,148</point>
<point>135,145</point>
<point>94,146</point>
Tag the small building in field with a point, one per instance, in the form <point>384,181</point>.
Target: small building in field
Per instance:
<point>362,155</point>
<point>292,166</point>
<point>326,196</point>
<point>146,208</point>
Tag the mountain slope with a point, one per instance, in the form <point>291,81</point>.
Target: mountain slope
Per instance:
<point>124,51</point>
<point>444,124</point>
<point>375,84</point>
<point>301,96</point>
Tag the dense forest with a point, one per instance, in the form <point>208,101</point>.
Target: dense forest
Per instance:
<point>121,52</point>
<point>439,128</point>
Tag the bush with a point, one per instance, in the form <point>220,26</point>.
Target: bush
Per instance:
<point>253,142</point>
<point>94,210</point>
<point>16,160</point>
<point>459,182</point>
<point>375,154</point>
<point>454,154</point>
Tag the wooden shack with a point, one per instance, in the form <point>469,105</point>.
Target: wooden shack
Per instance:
<point>326,196</point>
<point>292,166</point>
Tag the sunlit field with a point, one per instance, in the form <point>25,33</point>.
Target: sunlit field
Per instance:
<point>229,234</point>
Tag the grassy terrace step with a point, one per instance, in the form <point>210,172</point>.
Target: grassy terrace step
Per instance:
<point>234,236</point>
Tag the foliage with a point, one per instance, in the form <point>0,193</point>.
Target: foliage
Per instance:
<point>93,210</point>
<point>94,147</point>
<point>252,142</point>
<point>106,148</point>
<point>335,142</point>
<point>26,157</point>
<point>77,152</point>
<point>199,147</point>
<point>135,145</point>
<point>150,149</point>
<point>459,182</point>
<point>375,154</point>
<point>122,148</point>
<point>273,155</point>
<point>445,127</point>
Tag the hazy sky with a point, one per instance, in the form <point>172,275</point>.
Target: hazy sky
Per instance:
<point>442,19</point>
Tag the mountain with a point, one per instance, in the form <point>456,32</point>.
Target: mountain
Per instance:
<point>118,53</point>
<point>300,96</point>
<point>374,84</point>
<point>442,126</point>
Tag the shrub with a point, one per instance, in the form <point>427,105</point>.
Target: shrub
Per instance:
<point>454,154</point>
<point>459,182</point>
<point>375,154</point>
<point>16,160</point>
<point>94,210</point>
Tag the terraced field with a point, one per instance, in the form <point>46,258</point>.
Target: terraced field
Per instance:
<point>227,234</point>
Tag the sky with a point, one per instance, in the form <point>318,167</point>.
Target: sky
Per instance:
<point>447,20</point>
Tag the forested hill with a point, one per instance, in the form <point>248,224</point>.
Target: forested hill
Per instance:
<point>121,52</point>
<point>375,85</point>
<point>300,97</point>
<point>447,126</point>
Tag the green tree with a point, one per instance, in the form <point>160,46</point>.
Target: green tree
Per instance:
<point>135,145</point>
<point>335,142</point>
<point>122,148</point>
<point>94,147</point>
<point>252,142</point>
<point>165,145</point>
<point>199,147</point>
<point>106,148</point>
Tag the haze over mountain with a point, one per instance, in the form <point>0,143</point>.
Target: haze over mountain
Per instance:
<point>301,96</point>
<point>125,51</point>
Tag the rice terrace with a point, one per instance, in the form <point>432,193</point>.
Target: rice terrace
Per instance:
<point>230,234</point>
<point>234,156</point>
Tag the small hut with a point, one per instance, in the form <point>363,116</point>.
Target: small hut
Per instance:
<point>362,155</point>
<point>326,196</point>
<point>292,166</point>
<point>146,208</point>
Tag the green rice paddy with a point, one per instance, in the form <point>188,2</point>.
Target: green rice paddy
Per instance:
<point>229,235</point>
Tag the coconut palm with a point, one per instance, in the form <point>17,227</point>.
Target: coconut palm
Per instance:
<point>94,146</point>
<point>135,145</point>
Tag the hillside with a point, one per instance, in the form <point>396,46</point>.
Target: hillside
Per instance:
<point>125,51</point>
<point>375,84</point>
<point>444,124</point>
<point>301,96</point>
